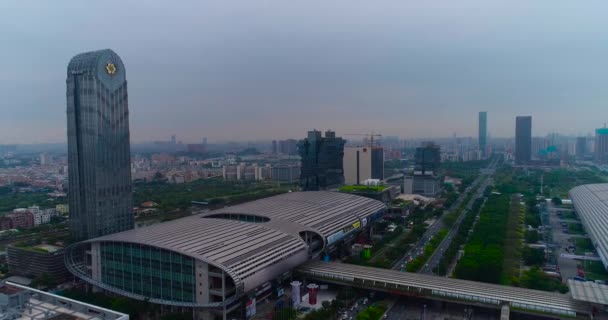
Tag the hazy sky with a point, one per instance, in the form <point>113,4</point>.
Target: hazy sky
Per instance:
<point>248,70</point>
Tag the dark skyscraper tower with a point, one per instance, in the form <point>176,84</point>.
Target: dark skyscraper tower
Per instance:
<point>322,158</point>
<point>483,132</point>
<point>427,159</point>
<point>99,156</point>
<point>523,139</point>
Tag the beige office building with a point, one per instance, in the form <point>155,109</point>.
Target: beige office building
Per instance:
<point>362,163</point>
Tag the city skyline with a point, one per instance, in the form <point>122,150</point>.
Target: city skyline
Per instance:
<point>237,81</point>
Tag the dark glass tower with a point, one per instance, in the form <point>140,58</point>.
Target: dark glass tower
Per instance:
<point>523,139</point>
<point>322,158</point>
<point>99,156</point>
<point>483,132</point>
<point>427,159</point>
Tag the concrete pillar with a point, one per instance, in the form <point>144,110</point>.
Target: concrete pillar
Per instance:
<point>202,281</point>
<point>295,293</point>
<point>505,312</point>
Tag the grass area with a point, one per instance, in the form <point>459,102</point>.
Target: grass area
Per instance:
<point>372,313</point>
<point>484,252</point>
<point>512,247</point>
<point>461,236</point>
<point>594,270</point>
<point>359,188</point>
<point>428,251</point>
<point>583,245</point>
<point>575,228</point>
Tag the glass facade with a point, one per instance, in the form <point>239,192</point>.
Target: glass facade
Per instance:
<point>148,271</point>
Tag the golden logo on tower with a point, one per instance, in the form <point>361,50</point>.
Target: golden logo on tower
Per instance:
<point>110,68</point>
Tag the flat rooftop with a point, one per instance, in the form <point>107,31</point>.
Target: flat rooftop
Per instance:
<point>588,291</point>
<point>44,305</point>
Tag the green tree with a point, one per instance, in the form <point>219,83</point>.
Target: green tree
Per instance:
<point>533,256</point>
<point>531,236</point>
<point>45,280</point>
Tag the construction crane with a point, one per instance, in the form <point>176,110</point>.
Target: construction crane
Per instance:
<point>370,135</point>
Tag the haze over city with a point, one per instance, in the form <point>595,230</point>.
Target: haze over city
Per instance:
<point>246,71</point>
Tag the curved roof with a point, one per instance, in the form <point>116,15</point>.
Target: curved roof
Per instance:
<point>323,212</point>
<point>103,65</point>
<point>244,249</point>
<point>591,204</point>
<point>88,62</point>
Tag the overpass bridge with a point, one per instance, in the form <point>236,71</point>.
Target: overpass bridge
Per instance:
<point>447,289</point>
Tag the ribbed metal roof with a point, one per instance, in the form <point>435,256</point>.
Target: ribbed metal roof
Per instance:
<point>243,249</point>
<point>321,211</point>
<point>473,291</point>
<point>591,204</point>
<point>588,291</point>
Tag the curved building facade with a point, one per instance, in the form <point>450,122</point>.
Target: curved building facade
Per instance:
<point>99,155</point>
<point>211,260</point>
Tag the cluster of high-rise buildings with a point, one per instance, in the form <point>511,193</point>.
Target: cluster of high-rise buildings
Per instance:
<point>327,162</point>
<point>532,150</point>
<point>213,260</point>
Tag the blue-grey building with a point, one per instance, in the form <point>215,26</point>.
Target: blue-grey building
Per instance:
<point>483,132</point>
<point>99,156</point>
<point>523,139</point>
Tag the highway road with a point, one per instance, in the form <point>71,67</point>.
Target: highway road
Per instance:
<point>445,243</point>
<point>439,225</point>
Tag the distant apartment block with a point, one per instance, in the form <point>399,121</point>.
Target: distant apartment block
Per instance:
<point>246,172</point>
<point>199,148</point>
<point>286,173</point>
<point>21,218</point>
<point>580,148</point>
<point>483,132</point>
<point>601,145</point>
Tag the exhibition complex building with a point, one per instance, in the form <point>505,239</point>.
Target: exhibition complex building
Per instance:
<point>210,261</point>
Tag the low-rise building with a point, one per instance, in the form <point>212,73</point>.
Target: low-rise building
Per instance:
<point>21,218</point>
<point>62,209</point>
<point>35,261</point>
<point>426,185</point>
<point>43,216</point>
